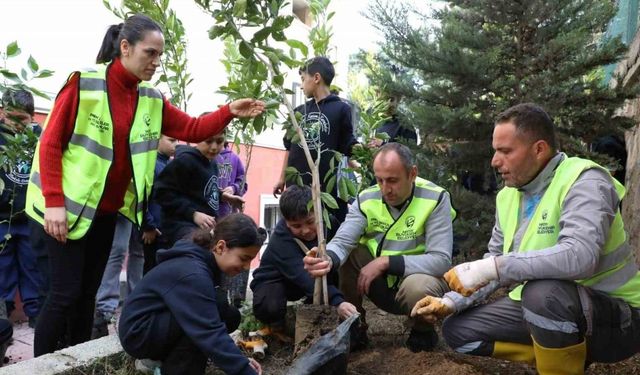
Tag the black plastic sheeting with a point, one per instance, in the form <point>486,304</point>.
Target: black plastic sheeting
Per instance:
<point>328,355</point>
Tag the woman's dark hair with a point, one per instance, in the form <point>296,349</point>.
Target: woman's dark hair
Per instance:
<point>237,230</point>
<point>133,30</point>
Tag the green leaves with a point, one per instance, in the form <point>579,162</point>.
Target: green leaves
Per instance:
<point>328,200</point>
<point>239,7</point>
<point>261,35</point>
<point>245,50</point>
<point>14,81</point>
<point>298,45</point>
<point>33,65</point>
<point>12,49</point>
<point>174,60</point>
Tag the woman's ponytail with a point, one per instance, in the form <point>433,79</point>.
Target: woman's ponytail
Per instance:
<point>133,30</point>
<point>110,44</point>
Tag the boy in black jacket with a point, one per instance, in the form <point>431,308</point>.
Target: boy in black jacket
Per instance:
<point>187,189</point>
<point>281,276</point>
<point>335,132</point>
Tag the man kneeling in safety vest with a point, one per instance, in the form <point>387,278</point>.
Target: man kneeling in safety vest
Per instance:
<point>394,245</point>
<point>558,230</point>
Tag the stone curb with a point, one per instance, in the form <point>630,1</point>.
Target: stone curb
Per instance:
<point>67,359</point>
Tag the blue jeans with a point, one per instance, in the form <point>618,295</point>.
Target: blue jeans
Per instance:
<point>18,269</point>
<point>125,238</point>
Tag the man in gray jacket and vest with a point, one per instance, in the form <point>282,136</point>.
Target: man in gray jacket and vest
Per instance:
<point>394,245</point>
<point>559,231</point>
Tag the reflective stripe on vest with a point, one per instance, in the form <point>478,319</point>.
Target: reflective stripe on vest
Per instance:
<point>89,154</point>
<point>616,272</point>
<point>386,236</point>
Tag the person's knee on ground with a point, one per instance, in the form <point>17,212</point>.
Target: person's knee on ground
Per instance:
<point>494,329</point>
<point>461,339</point>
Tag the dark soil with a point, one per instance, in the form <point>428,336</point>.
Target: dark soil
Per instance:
<point>387,356</point>
<point>313,321</point>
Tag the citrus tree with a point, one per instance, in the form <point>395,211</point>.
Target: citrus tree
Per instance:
<point>18,147</point>
<point>265,56</point>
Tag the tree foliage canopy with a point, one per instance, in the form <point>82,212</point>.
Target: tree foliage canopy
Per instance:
<point>473,59</point>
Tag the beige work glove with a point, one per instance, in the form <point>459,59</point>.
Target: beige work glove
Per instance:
<point>432,309</point>
<point>467,278</point>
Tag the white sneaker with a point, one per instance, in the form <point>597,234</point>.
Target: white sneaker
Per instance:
<point>147,366</point>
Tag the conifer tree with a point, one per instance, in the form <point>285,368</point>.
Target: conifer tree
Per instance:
<point>475,58</point>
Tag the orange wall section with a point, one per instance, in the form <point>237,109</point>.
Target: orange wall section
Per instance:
<point>263,173</point>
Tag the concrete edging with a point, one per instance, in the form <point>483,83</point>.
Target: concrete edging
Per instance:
<point>67,359</point>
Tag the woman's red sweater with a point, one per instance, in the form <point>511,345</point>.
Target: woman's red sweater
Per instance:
<point>122,88</point>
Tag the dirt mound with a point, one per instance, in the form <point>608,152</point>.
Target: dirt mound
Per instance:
<point>402,361</point>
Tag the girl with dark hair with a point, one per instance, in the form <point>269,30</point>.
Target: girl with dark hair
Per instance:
<point>174,315</point>
<point>96,157</point>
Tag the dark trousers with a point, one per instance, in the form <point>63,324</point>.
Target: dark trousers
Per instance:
<point>183,356</point>
<point>270,300</point>
<point>76,271</point>
<point>150,251</point>
<point>18,269</point>
<point>36,238</point>
<point>168,342</point>
<point>553,313</point>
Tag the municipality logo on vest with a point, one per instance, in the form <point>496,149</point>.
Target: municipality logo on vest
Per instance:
<point>98,123</point>
<point>410,221</point>
<point>544,227</point>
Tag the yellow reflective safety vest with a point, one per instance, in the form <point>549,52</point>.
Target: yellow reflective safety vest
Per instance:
<point>616,273</point>
<point>386,236</point>
<point>89,154</point>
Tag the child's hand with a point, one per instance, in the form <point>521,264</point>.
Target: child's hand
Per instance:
<point>228,190</point>
<point>149,236</point>
<point>204,221</point>
<point>235,201</point>
<point>317,267</point>
<point>278,188</point>
<point>255,365</point>
<point>345,310</point>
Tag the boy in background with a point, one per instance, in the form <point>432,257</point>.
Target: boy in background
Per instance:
<point>188,190</point>
<point>281,276</point>
<point>335,131</point>
<point>18,260</point>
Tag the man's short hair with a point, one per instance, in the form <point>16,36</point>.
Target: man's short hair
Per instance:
<point>19,99</point>
<point>531,121</point>
<point>294,201</point>
<point>405,154</point>
<point>322,65</point>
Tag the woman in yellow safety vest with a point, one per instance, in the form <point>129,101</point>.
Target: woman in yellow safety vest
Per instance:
<point>96,159</point>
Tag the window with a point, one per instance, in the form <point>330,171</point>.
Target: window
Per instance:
<point>269,212</point>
